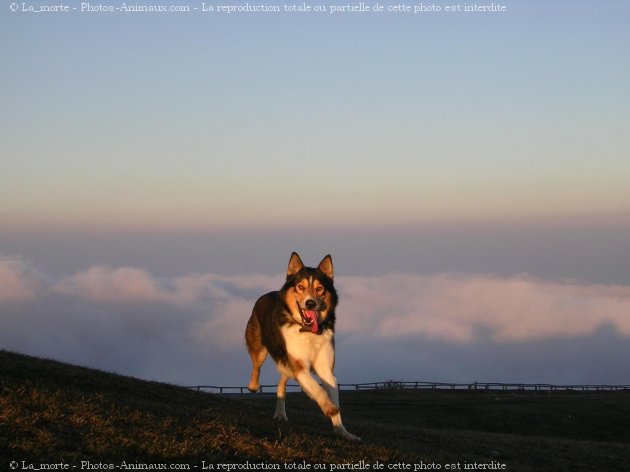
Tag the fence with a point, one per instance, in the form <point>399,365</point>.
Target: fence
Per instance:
<point>395,384</point>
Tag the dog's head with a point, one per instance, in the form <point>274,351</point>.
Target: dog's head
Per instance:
<point>309,292</point>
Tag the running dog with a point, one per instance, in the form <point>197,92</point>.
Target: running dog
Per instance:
<point>296,325</point>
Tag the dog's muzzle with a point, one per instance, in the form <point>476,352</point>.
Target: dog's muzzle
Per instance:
<point>310,317</point>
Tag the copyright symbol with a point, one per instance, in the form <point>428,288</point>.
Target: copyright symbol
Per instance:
<point>13,464</point>
<point>13,7</point>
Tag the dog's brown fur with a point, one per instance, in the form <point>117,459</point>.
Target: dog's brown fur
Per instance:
<point>296,326</point>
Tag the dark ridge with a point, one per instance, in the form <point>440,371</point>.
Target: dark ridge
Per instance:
<point>52,412</point>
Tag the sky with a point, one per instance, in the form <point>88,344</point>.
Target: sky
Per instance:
<point>469,173</point>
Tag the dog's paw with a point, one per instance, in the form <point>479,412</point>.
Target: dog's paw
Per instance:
<point>253,387</point>
<point>341,432</point>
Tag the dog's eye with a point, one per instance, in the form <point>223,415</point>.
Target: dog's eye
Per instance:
<point>320,289</point>
<point>300,287</point>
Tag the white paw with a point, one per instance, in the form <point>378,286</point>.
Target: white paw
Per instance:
<point>280,416</point>
<point>341,432</point>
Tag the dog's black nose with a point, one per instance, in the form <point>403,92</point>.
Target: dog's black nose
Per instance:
<point>310,304</point>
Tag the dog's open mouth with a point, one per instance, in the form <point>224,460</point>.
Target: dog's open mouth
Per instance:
<point>310,319</point>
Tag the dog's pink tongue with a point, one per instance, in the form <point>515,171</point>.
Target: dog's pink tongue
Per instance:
<point>313,317</point>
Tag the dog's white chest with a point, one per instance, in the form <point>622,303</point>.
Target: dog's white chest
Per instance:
<point>308,347</point>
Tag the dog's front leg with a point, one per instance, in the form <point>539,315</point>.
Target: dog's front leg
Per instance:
<point>301,372</point>
<point>281,412</point>
<point>323,368</point>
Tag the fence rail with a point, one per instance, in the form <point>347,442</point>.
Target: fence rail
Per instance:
<point>395,384</point>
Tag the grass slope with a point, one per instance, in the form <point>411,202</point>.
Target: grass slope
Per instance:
<point>52,412</point>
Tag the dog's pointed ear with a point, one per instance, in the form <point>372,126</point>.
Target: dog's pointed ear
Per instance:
<point>295,265</point>
<point>326,266</point>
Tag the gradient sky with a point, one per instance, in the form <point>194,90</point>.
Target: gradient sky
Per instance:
<point>204,122</point>
<point>493,147</point>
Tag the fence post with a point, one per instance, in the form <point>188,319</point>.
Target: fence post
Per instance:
<point>437,386</point>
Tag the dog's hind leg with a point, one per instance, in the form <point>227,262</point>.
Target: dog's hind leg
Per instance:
<point>281,412</point>
<point>258,358</point>
<point>257,351</point>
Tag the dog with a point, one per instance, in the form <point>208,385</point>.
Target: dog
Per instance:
<point>296,325</point>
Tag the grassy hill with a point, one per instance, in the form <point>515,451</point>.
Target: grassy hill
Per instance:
<point>52,412</point>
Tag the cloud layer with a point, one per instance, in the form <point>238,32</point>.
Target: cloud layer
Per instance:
<point>460,308</point>
<point>448,327</point>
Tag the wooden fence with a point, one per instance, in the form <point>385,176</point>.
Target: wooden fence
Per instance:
<point>395,384</point>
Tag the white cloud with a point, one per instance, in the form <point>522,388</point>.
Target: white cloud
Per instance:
<point>189,329</point>
<point>103,285</point>
<point>456,307</point>
<point>18,281</point>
